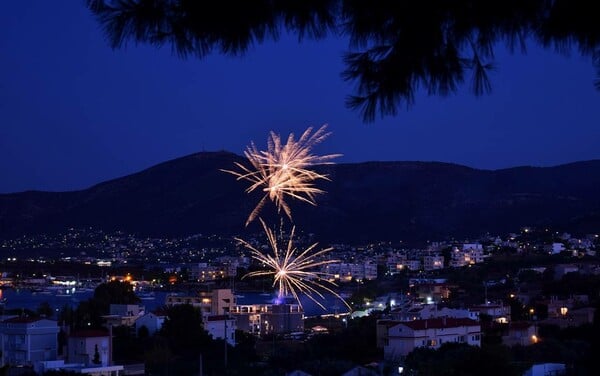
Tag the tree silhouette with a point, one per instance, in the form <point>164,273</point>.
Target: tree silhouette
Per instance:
<point>395,47</point>
<point>115,292</point>
<point>45,309</point>
<point>96,359</point>
<point>461,359</point>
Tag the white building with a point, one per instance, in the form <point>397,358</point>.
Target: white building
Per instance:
<point>554,248</point>
<point>433,262</point>
<point>430,311</point>
<point>82,346</point>
<point>216,302</point>
<point>458,258</point>
<point>153,321</point>
<point>370,270</point>
<point>521,333</point>
<point>396,262</point>
<point>345,272</point>
<point>27,340</point>
<point>400,338</point>
<point>498,312</point>
<point>469,254</point>
<point>203,271</point>
<point>75,368</point>
<point>546,369</point>
<point>123,314</point>
<point>221,327</point>
<point>472,246</point>
<point>413,264</point>
<point>269,318</point>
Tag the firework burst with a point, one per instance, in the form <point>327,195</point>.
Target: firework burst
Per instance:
<point>282,170</point>
<point>294,270</point>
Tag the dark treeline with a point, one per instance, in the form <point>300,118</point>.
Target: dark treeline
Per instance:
<point>395,47</point>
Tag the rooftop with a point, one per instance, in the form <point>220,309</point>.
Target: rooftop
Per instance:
<point>89,333</point>
<point>23,320</point>
<point>440,322</point>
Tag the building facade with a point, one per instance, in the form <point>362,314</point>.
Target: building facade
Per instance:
<point>400,338</point>
<point>83,345</point>
<point>27,340</point>
<point>264,319</point>
<point>153,321</point>
<point>221,327</point>
<point>215,302</point>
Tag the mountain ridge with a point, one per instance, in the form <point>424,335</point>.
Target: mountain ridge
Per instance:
<point>374,200</point>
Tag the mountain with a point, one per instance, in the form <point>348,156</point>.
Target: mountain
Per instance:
<point>411,201</point>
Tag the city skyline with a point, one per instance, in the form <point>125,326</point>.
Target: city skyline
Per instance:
<point>76,113</point>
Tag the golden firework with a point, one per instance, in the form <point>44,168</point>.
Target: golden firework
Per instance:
<point>283,170</point>
<point>295,271</point>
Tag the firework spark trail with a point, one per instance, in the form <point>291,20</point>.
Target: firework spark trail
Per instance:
<point>283,170</point>
<point>293,269</point>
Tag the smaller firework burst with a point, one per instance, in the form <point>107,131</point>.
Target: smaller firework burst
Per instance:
<point>283,170</point>
<point>294,271</point>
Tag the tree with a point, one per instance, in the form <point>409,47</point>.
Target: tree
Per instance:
<point>461,359</point>
<point>143,332</point>
<point>396,47</point>
<point>96,359</point>
<point>45,310</point>
<point>186,338</point>
<point>158,358</point>
<point>115,292</point>
<point>184,331</point>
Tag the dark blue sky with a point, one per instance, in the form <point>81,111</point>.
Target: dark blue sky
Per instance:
<point>73,112</point>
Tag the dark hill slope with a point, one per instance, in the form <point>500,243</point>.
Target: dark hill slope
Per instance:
<point>367,201</point>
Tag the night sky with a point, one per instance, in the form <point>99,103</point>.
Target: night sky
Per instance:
<point>74,112</point>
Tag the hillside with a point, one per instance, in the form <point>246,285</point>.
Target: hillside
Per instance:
<point>367,201</point>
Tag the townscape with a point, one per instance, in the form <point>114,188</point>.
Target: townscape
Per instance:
<point>528,296</point>
<point>459,235</point>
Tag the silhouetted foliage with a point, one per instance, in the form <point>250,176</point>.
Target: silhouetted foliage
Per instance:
<point>60,373</point>
<point>88,314</point>
<point>127,347</point>
<point>461,359</point>
<point>96,358</point>
<point>143,332</point>
<point>115,292</point>
<point>396,47</point>
<point>329,354</point>
<point>44,309</point>
<point>552,350</point>
<point>183,334</point>
<point>158,358</point>
<point>244,351</point>
<point>573,283</point>
<point>184,331</point>
<point>61,341</point>
<point>518,311</point>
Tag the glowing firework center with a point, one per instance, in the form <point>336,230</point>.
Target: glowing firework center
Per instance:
<point>282,171</point>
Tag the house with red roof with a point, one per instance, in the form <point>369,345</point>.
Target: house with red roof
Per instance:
<point>398,338</point>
